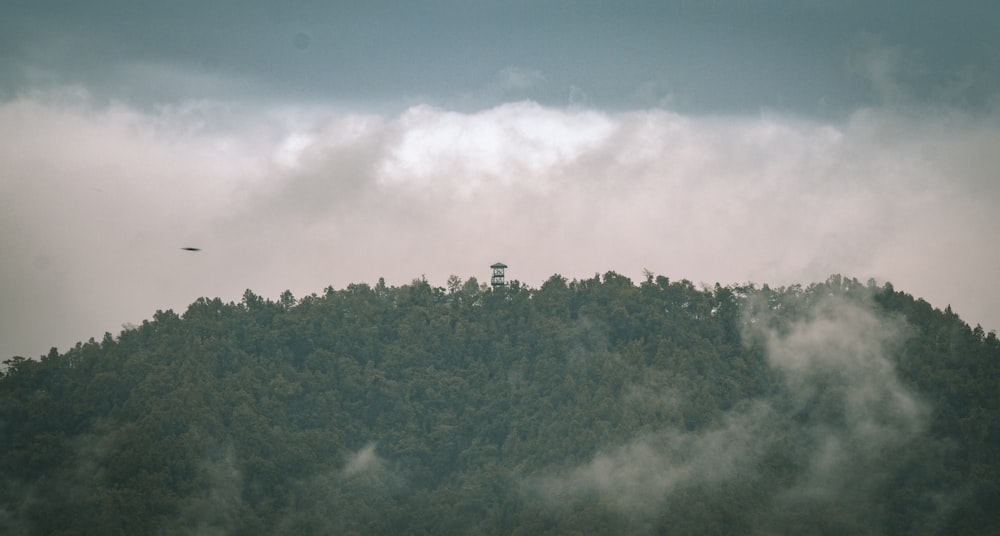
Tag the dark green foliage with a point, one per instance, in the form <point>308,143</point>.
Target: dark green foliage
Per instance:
<point>594,407</point>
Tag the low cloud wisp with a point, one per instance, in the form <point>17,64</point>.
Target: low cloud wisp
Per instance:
<point>836,425</point>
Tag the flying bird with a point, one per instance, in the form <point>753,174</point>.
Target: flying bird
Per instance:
<point>191,249</point>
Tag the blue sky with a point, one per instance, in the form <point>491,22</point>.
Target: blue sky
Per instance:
<point>306,144</point>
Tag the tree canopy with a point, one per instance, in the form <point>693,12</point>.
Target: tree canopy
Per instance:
<point>595,406</point>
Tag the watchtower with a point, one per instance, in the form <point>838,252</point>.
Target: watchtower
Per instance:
<point>497,279</point>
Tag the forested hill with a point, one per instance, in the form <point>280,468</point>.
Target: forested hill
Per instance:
<point>597,406</point>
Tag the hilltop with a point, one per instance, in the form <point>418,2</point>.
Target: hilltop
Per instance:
<point>596,406</point>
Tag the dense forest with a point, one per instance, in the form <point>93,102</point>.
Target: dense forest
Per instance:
<point>595,406</point>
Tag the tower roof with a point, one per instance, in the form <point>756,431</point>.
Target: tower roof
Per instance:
<point>498,265</point>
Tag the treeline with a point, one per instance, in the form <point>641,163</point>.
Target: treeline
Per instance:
<point>594,406</point>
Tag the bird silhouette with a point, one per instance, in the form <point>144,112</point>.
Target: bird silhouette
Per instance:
<point>191,249</point>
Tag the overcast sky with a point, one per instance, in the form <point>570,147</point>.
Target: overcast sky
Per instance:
<point>307,144</point>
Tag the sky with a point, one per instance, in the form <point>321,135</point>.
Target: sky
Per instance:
<point>302,145</point>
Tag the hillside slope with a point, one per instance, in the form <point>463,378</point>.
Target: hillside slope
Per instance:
<point>596,406</point>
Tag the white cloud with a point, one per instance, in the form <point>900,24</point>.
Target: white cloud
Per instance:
<point>514,145</point>
<point>291,149</point>
<point>840,380</point>
<point>97,199</point>
<point>640,477</point>
<point>365,468</point>
<point>363,461</point>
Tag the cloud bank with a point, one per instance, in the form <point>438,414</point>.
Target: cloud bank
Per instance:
<point>98,198</point>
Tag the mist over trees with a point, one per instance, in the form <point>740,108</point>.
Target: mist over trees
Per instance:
<point>594,406</point>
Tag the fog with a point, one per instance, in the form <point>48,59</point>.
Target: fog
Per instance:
<point>841,421</point>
